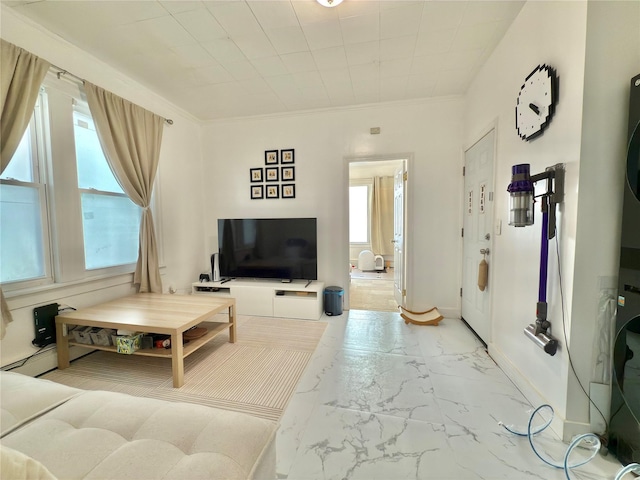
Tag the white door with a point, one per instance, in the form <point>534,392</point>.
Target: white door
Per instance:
<point>399,292</point>
<point>478,223</point>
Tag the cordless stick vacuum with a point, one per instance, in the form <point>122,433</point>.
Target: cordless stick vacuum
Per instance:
<point>522,194</point>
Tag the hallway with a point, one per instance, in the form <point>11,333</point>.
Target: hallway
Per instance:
<point>372,291</point>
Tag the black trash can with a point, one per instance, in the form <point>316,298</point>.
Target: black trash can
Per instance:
<point>333,300</point>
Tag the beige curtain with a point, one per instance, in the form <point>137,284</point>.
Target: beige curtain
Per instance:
<point>382,216</point>
<point>130,137</point>
<point>21,75</point>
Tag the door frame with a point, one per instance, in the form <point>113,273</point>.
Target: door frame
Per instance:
<point>479,135</point>
<point>408,244</point>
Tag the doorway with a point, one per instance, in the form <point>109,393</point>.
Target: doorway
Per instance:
<point>377,212</point>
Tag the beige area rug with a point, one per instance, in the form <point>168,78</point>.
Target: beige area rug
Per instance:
<point>376,295</point>
<point>256,375</point>
<point>386,274</point>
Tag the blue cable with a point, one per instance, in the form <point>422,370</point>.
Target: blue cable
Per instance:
<point>632,467</point>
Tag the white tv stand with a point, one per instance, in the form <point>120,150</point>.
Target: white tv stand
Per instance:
<point>269,298</point>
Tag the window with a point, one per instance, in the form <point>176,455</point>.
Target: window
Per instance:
<point>359,214</point>
<point>63,215</point>
<point>110,220</point>
<point>24,241</point>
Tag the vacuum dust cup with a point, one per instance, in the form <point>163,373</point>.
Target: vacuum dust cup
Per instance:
<point>521,196</point>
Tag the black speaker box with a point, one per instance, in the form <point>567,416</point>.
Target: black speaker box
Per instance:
<point>44,318</point>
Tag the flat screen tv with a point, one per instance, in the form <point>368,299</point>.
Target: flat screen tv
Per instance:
<point>275,248</point>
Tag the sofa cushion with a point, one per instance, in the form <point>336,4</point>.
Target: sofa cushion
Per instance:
<point>23,398</point>
<point>113,435</point>
<point>16,465</point>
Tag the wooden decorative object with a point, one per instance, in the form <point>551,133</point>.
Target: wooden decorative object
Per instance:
<point>428,317</point>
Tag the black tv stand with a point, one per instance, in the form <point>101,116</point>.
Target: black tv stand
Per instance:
<point>308,283</point>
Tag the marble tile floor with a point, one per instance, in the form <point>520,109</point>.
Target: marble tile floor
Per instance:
<point>384,400</point>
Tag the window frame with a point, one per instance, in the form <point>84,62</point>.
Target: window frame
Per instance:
<point>83,108</point>
<point>36,130</point>
<point>61,197</point>
<point>369,184</point>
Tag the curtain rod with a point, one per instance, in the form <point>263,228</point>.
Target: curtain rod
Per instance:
<point>62,71</point>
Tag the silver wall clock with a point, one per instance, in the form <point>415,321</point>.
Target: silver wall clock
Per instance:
<point>536,102</point>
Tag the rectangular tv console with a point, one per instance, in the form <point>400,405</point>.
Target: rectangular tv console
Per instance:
<point>269,298</point>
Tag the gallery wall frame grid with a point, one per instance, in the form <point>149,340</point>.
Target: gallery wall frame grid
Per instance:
<point>278,168</point>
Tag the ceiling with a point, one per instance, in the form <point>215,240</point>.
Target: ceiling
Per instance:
<point>220,59</point>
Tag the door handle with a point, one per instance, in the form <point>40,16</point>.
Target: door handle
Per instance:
<point>484,251</point>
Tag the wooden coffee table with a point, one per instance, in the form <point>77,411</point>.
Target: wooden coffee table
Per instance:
<point>152,313</point>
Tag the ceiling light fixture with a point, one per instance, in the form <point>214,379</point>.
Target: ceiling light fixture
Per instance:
<point>329,3</point>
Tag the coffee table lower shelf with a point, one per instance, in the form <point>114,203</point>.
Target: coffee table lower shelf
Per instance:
<point>214,329</point>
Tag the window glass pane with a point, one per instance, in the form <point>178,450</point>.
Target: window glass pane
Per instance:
<point>93,169</point>
<point>21,245</point>
<point>359,214</point>
<point>111,225</point>
<point>21,166</point>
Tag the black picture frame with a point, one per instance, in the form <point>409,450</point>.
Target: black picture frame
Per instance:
<point>257,192</point>
<point>287,156</point>
<point>273,191</point>
<point>288,174</point>
<point>255,174</point>
<point>272,174</point>
<point>288,190</point>
<point>271,157</point>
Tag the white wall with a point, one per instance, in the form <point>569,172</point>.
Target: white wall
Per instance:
<point>429,130</point>
<point>543,33</point>
<point>180,229</point>
<point>595,47</point>
<point>612,58</point>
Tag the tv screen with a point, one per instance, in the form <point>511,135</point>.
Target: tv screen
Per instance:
<point>283,248</point>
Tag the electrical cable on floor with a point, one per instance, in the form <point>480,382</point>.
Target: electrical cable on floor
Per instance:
<point>41,349</point>
<point>590,441</point>
<point>48,347</point>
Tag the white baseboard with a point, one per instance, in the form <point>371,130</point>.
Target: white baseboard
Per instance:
<point>45,361</point>
<point>533,396</point>
<point>600,394</point>
<point>449,312</point>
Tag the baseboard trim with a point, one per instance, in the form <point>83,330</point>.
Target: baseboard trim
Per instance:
<point>559,424</point>
<point>449,312</point>
<point>45,361</point>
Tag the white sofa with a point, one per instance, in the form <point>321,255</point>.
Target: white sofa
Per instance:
<point>72,433</point>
